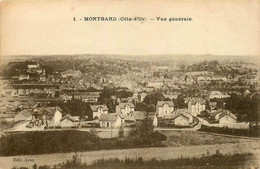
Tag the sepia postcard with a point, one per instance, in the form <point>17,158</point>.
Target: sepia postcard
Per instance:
<point>113,84</point>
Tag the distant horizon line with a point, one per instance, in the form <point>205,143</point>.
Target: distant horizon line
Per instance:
<point>127,54</point>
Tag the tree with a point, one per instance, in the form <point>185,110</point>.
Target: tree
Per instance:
<point>220,104</point>
<point>205,113</point>
<point>208,105</point>
<point>253,114</point>
<point>153,98</point>
<point>180,102</point>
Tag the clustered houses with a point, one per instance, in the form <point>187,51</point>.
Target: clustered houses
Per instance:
<point>90,97</point>
<point>33,114</point>
<point>48,115</point>
<point>71,73</point>
<point>168,116</point>
<point>72,84</point>
<point>17,90</point>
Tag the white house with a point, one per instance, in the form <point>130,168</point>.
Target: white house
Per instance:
<point>164,108</point>
<point>181,120</point>
<point>69,121</point>
<point>226,118</point>
<point>124,109</point>
<point>24,77</point>
<point>218,95</point>
<point>98,110</point>
<point>57,116</point>
<point>182,117</point>
<point>33,66</point>
<point>196,106</point>
<point>111,120</point>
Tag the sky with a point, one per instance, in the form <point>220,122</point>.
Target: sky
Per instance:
<point>227,27</point>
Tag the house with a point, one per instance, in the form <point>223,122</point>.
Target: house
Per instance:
<point>139,116</point>
<point>26,89</point>
<point>7,117</point>
<point>196,105</point>
<point>111,120</point>
<point>23,77</point>
<point>71,73</point>
<point>155,84</point>
<point>69,121</point>
<point>90,97</point>
<point>182,120</point>
<point>24,115</point>
<point>33,66</point>
<point>49,115</point>
<point>225,117</point>
<point>180,116</point>
<point>98,110</point>
<point>164,108</point>
<point>135,116</point>
<point>218,95</point>
<point>124,109</point>
<point>66,97</point>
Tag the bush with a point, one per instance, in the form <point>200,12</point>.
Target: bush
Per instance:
<point>217,160</point>
<point>236,132</point>
<point>44,142</point>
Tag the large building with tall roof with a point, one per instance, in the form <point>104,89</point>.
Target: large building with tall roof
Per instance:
<point>164,108</point>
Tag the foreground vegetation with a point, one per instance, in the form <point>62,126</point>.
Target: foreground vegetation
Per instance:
<point>216,161</point>
<point>253,132</point>
<point>44,142</point>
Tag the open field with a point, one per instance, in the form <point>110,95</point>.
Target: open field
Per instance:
<point>180,144</point>
<point>160,153</point>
